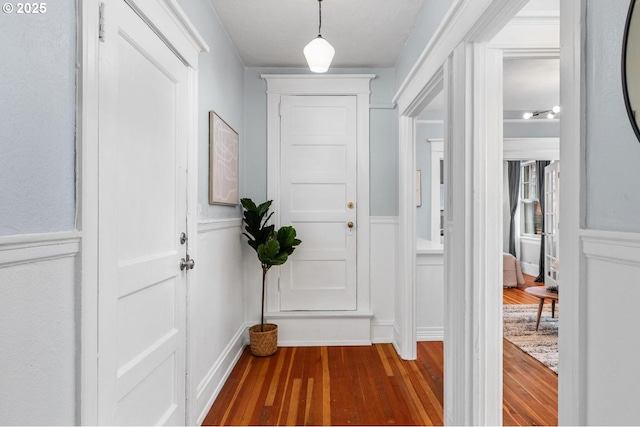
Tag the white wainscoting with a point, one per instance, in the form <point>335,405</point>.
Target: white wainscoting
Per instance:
<point>430,294</point>
<point>530,255</point>
<point>610,326</point>
<point>38,328</point>
<point>384,235</point>
<point>217,309</point>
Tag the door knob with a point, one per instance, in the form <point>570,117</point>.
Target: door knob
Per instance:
<point>350,224</point>
<point>187,263</point>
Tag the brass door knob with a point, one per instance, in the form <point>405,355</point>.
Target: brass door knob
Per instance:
<point>350,224</point>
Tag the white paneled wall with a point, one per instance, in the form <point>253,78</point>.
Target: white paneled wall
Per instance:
<point>383,276</point>
<point>217,308</point>
<point>38,329</point>
<point>430,295</point>
<point>610,324</point>
<point>530,255</point>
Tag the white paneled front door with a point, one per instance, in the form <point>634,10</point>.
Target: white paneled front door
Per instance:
<point>142,212</point>
<point>318,197</point>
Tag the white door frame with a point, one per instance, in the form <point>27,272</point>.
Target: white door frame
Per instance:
<point>328,84</point>
<point>571,387</point>
<point>571,341</point>
<point>168,20</point>
<point>473,376</point>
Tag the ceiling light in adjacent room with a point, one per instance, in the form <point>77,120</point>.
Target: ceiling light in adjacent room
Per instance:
<point>550,113</point>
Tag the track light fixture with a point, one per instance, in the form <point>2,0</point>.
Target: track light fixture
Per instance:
<point>550,113</point>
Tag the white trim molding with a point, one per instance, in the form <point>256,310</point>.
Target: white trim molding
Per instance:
<point>205,226</point>
<point>531,148</point>
<point>23,249</point>
<point>572,383</point>
<point>430,333</point>
<point>210,386</point>
<point>384,220</point>
<point>330,328</point>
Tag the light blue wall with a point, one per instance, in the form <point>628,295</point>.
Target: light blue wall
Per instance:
<point>612,150</point>
<point>428,21</point>
<point>424,132</point>
<point>37,120</point>
<point>221,89</point>
<point>383,137</point>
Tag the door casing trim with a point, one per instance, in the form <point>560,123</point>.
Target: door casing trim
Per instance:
<point>357,85</point>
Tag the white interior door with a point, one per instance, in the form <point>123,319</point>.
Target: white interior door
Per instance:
<point>318,197</point>
<point>551,223</point>
<point>142,211</point>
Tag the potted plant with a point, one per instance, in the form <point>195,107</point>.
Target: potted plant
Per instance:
<point>273,248</point>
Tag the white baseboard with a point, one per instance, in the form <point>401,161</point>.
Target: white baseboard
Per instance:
<point>382,332</point>
<point>305,329</point>
<point>530,269</point>
<point>430,334</point>
<point>212,383</point>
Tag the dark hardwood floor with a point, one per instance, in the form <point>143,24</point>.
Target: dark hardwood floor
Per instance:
<point>371,385</point>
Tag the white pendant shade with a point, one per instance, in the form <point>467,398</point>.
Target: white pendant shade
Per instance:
<point>319,54</point>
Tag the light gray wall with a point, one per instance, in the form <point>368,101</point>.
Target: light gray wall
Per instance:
<point>612,150</point>
<point>383,141</point>
<point>37,125</point>
<point>428,21</point>
<point>221,89</point>
<point>425,131</point>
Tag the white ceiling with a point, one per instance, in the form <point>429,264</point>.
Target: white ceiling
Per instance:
<point>369,33</point>
<point>365,33</point>
<point>531,84</point>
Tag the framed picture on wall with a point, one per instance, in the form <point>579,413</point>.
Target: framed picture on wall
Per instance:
<point>223,162</point>
<point>418,188</point>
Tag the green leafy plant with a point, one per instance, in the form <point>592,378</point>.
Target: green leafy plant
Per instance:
<point>273,248</point>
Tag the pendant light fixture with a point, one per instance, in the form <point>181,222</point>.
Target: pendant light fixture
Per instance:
<point>319,52</point>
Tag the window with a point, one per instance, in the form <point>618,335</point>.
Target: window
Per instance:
<point>530,213</point>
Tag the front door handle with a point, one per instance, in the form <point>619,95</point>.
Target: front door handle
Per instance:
<point>187,263</point>
<point>350,224</point>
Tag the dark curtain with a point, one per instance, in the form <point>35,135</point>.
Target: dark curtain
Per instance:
<point>514,190</point>
<point>540,165</point>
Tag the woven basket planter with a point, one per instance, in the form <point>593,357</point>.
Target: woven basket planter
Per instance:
<point>263,343</point>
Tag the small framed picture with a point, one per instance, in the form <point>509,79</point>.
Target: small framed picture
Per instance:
<point>418,188</point>
<point>223,162</point>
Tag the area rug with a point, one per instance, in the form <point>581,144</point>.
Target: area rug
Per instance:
<point>520,329</point>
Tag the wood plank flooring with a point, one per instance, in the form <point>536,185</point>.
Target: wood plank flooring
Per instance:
<point>368,385</point>
<point>371,385</point>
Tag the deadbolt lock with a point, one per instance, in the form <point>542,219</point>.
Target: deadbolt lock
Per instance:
<point>350,205</point>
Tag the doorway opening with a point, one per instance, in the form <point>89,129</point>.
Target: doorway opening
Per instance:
<point>530,206</point>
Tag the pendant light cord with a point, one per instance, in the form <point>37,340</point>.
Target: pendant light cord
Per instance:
<point>319,18</point>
